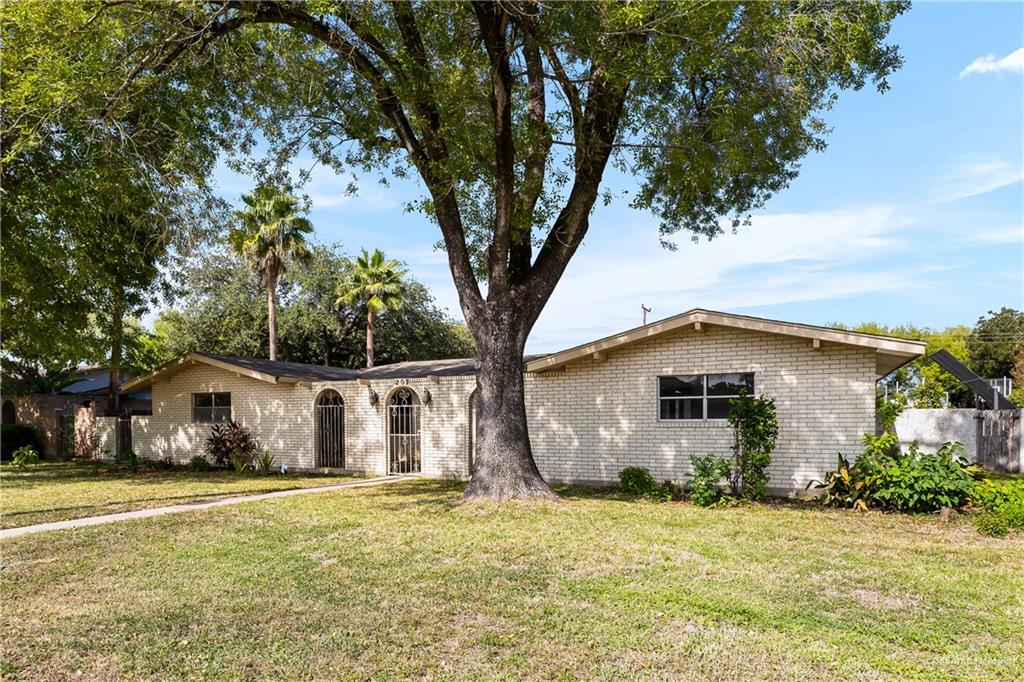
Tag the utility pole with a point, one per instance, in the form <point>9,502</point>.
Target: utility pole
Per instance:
<point>645,310</point>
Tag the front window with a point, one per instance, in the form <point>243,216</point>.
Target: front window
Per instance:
<point>211,407</point>
<point>700,396</point>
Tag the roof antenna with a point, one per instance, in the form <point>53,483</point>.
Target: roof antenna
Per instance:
<point>646,310</point>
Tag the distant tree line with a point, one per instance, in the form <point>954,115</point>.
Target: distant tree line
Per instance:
<point>993,348</point>
<point>222,308</point>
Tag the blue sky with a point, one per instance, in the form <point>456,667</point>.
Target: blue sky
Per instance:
<point>912,214</point>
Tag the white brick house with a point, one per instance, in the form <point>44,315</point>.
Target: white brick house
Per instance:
<point>654,396</point>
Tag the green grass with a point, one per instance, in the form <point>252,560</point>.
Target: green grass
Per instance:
<point>56,491</point>
<point>406,581</point>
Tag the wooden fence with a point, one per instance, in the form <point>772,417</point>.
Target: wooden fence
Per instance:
<point>999,443</point>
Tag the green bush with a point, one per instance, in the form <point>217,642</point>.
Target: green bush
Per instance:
<point>637,481</point>
<point>24,456</point>
<point>199,463</point>
<point>756,429</point>
<point>1004,497</point>
<point>16,436</point>
<point>265,463</point>
<point>991,523</point>
<point>127,459</point>
<point>913,482</point>
<point>883,477</point>
<point>240,463</point>
<point>229,441</point>
<point>709,473</point>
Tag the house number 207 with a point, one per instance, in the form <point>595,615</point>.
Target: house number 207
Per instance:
<point>401,382</point>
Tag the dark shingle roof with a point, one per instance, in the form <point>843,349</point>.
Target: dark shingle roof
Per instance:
<point>458,367</point>
<point>296,370</point>
<point>276,370</point>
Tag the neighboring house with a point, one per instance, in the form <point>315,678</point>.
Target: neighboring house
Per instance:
<point>655,396</point>
<point>66,419</point>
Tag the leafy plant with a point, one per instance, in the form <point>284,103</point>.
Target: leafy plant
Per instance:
<point>992,523</point>
<point>265,462</point>
<point>637,481</point>
<point>756,429</point>
<point>230,440</point>
<point>199,463</point>
<point>127,459</point>
<point>240,463</point>
<point>15,436</point>
<point>1003,497</point>
<point>709,473</point>
<point>913,482</point>
<point>24,456</point>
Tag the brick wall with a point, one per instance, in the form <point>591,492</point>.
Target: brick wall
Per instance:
<point>282,417</point>
<point>594,418</point>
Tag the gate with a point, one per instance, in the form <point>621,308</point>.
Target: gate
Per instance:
<point>999,440</point>
<point>124,433</point>
<point>330,430</point>
<point>404,432</point>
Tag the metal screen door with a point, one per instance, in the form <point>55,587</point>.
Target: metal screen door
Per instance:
<point>330,430</point>
<point>404,432</point>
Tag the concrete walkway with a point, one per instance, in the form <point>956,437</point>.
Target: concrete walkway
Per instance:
<point>179,508</point>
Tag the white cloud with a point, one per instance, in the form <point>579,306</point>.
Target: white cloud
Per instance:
<point>1011,63</point>
<point>1004,235</point>
<point>779,258</point>
<point>975,177</point>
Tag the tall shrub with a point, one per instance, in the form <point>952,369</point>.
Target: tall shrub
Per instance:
<point>755,429</point>
<point>230,442</point>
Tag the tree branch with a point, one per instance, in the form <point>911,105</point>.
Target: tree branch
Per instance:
<point>494,21</point>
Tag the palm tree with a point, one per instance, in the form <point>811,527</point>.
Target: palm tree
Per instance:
<point>377,284</point>
<point>271,233</point>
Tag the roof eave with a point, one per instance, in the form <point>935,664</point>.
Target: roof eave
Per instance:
<point>698,317</point>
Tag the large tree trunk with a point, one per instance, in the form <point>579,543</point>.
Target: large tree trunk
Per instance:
<point>504,466</point>
<point>369,338</point>
<point>116,344</point>
<point>272,315</point>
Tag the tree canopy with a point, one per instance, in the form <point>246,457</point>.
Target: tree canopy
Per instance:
<point>508,113</point>
<point>222,309</point>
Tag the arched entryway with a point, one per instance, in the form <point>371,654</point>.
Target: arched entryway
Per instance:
<point>9,413</point>
<point>403,424</point>
<point>330,430</point>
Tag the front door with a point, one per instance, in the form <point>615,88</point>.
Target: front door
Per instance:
<point>404,432</point>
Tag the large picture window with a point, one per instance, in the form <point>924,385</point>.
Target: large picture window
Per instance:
<point>700,396</point>
<point>211,407</point>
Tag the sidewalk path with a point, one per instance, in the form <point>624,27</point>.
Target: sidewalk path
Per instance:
<point>178,508</point>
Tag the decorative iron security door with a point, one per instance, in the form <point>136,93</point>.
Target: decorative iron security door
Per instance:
<point>330,430</point>
<point>404,432</point>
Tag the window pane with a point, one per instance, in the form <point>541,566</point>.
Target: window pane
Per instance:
<point>220,414</point>
<point>222,399</point>
<point>202,414</point>
<point>202,399</point>
<point>674,387</point>
<point>730,384</point>
<point>681,408</point>
<point>718,408</point>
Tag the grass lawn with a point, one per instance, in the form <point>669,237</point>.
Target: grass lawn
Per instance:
<point>405,581</point>
<point>55,491</point>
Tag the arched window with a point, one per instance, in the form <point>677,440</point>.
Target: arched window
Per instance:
<point>330,430</point>
<point>404,432</point>
<point>9,413</point>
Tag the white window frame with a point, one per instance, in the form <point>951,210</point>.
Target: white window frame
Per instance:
<point>703,398</point>
<point>213,407</point>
